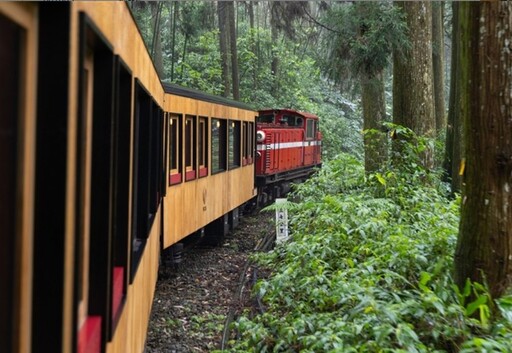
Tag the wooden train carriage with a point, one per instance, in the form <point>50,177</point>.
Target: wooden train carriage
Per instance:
<point>80,148</point>
<point>210,163</point>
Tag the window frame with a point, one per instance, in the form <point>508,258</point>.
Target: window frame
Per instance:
<point>175,138</point>
<point>190,147</point>
<point>218,139</point>
<point>202,146</point>
<point>234,144</point>
<point>310,129</point>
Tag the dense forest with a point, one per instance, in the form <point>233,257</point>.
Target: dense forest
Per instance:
<point>403,241</point>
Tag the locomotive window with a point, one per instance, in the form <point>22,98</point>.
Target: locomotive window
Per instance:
<point>203,147</point>
<point>234,144</point>
<point>190,151</point>
<point>175,134</point>
<point>266,119</point>
<point>310,129</point>
<point>219,135</point>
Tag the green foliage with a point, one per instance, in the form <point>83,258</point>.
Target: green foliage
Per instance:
<point>192,59</point>
<point>368,270</point>
<point>363,36</point>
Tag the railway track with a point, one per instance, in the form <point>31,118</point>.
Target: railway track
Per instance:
<point>245,280</point>
<point>196,300</point>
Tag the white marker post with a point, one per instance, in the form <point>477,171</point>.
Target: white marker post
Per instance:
<point>281,222</point>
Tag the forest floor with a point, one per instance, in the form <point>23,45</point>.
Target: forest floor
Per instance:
<point>193,298</point>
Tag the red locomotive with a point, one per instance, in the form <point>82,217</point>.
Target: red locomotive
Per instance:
<point>288,150</point>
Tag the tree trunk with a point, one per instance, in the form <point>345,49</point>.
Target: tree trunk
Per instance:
<point>453,143</point>
<point>234,54</point>
<point>413,104</point>
<point>438,64</point>
<point>484,246</point>
<point>223,45</point>
<point>156,45</point>
<point>374,112</point>
<point>173,40</point>
<point>275,59</point>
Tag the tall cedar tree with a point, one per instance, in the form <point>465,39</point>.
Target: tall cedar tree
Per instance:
<point>438,63</point>
<point>413,104</point>
<point>222,11</point>
<point>453,145</point>
<point>484,247</point>
<point>233,50</point>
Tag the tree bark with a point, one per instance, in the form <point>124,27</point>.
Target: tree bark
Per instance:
<point>413,104</point>
<point>438,64</point>
<point>484,246</point>
<point>274,32</point>
<point>374,112</point>
<point>156,44</point>
<point>223,45</point>
<point>235,76</point>
<point>453,145</point>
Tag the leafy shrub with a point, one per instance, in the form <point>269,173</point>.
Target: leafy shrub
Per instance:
<point>368,270</point>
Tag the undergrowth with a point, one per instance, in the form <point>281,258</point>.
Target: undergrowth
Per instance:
<point>368,269</point>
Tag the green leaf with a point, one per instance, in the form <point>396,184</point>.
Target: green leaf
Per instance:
<point>473,306</point>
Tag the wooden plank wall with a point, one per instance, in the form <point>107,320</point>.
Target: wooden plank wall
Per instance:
<point>191,205</point>
<point>126,42</point>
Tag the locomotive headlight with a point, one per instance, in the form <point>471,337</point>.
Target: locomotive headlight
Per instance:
<point>260,136</point>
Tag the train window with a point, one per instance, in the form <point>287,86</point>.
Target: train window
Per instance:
<point>234,144</point>
<point>310,129</point>
<point>155,158</point>
<point>55,132</point>
<point>219,136</point>
<point>121,180</point>
<point>203,146</point>
<point>96,191</point>
<point>142,218</point>
<point>190,151</point>
<point>265,119</point>
<point>245,143</point>
<point>175,138</point>
<point>10,57</point>
<point>165,153</point>
<point>84,186</point>
<point>251,144</point>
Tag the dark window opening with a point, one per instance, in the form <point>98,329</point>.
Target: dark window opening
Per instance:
<point>96,164</point>
<point>203,147</point>
<point>234,144</point>
<point>310,129</point>
<point>11,42</point>
<point>190,150</point>
<point>155,156</point>
<point>252,142</point>
<point>219,137</point>
<point>141,216</point>
<point>121,187</point>
<point>265,119</point>
<point>175,155</point>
